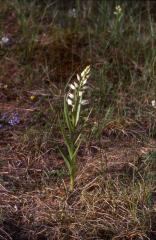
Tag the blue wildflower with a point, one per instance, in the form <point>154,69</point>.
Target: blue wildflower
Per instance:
<point>14,120</point>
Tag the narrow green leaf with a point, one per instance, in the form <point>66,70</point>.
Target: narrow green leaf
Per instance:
<point>76,150</point>
<point>67,162</point>
<point>68,143</point>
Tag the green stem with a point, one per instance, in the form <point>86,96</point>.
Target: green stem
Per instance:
<point>71,182</point>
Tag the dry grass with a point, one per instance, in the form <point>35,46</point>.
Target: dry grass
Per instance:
<point>111,198</point>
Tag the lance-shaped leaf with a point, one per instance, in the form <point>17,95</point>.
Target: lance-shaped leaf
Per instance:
<point>69,144</point>
<point>67,162</point>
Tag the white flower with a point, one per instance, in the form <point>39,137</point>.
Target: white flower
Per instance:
<point>80,93</point>
<point>85,73</point>
<point>72,86</point>
<point>153,102</point>
<point>74,98</point>
<point>69,101</point>
<point>85,87</point>
<point>72,13</point>
<point>76,85</point>
<point>84,102</point>
<point>5,40</point>
<point>118,10</point>
<point>78,77</point>
<point>85,81</point>
<point>70,95</point>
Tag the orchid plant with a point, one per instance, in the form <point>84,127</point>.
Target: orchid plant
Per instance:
<point>72,126</point>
